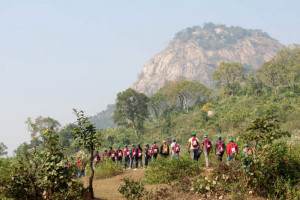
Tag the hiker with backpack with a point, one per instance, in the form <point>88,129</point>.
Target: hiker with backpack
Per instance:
<point>164,149</point>
<point>97,159</point>
<point>248,157</point>
<point>175,149</point>
<point>232,150</point>
<point>155,150</point>
<point>80,164</point>
<point>148,154</point>
<point>132,155</point>
<point>119,154</point>
<point>104,155</point>
<point>112,154</point>
<point>193,147</point>
<point>220,148</point>
<point>206,147</point>
<point>138,156</point>
<point>126,157</point>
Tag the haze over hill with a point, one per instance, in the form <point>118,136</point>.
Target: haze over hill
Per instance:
<point>196,52</point>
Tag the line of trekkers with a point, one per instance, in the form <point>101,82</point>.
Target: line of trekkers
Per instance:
<point>134,155</point>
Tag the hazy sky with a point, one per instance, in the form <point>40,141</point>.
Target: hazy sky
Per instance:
<point>57,55</point>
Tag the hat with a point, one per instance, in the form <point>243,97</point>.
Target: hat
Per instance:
<point>205,135</point>
<point>138,144</point>
<point>119,146</point>
<point>132,145</point>
<point>193,134</point>
<point>164,141</point>
<point>230,140</point>
<point>146,144</point>
<point>78,155</point>
<point>173,139</point>
<point>219,137</point>
<point>105,149</point>
<point>154,141</point>
<point>245,145</point>
<point>125,145</point>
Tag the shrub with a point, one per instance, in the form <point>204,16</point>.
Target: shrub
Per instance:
<point>165,170</point>
<point>107,169</point>
<point>133,189</point>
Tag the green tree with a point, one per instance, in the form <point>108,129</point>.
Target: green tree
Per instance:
<point>131,109</point>
<point>40,124</point>
<point>3,149</point>
<point>228,77</point>
<point>67,139</point>
<point>157,103</point>
<point>185,92</point>
<point>89,138</point>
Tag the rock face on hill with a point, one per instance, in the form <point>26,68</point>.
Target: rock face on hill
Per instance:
<point>196,52</point>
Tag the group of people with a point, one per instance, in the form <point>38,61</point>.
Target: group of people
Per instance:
<point>134,155</point>
<point>196,148</point>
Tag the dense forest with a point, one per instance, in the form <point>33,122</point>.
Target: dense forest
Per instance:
<point>259,108</point>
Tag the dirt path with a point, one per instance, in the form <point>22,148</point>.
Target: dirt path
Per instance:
<point>107,189</point>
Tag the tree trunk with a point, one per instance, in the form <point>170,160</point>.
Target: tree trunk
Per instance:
<point>135,129</point>
<point>91,191</point>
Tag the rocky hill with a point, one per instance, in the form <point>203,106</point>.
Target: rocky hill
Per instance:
<point>196,52</point>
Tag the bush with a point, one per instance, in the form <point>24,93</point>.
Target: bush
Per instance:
<point>133,189</point>
<point>107,169</point>
<point>165,170</point>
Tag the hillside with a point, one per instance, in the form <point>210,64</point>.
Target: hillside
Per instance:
<point>104,119</point>
<point>195,53</point>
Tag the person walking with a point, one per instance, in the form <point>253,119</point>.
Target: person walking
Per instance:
<point>164,149</point>
<point>97,159</point>
<point>112,154</point>
<point>206,147</point>
<point>220,148</point>
<point>248,159</point>
<point>119,154</point>
<point>155,150</point>
<point>232,150</point>
<point>138,156</point>
<point>193,147</point>
<point>104,155</point>
<point>126,157</point>
<point>175,149</point>
<point>132,156</point>
<point>148,154</point>
<point>80,164</point>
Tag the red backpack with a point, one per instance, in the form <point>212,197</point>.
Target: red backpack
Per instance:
<point>149,151</point>
<point>194,142</point>
<point>113,154</point>
<point>155,149</point>
<point>233,149</point>
<point>120,154</point>
<point>207,144</point>
<point>139,153</point>
<point>133,152</point>
<point>220,147</point>
<point>126,151</point>
<point>176,148</point>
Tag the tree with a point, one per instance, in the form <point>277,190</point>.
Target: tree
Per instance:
<point>157,102</point>
<point>3,149</point>
<point>131,109</point>
<point>185,92</point>
<point>228,77</point>
<point>67,139</point>
<point>89,138</point>
<point>40,124</point>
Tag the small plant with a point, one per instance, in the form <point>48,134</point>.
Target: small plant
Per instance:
<point>107,169</point>
<point>167,170</point>
<point>133,190</point>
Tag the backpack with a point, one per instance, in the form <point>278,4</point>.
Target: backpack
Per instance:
<point>149,151</point>
<point>207,144</point>
<point>120,154</point>
<point>194,142</point>
<point>139,153</point>
<point>220,147</point>
<point>126,152</point>
<point>233,149</point>
<point>176,148</point>
<point>113,154</point>
<point>165,148</point>
<point>155,149</point>
<point>133,152</point>
<point>96,159</point>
